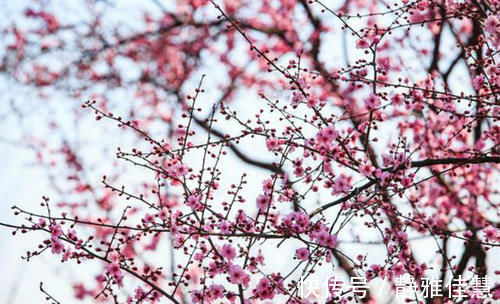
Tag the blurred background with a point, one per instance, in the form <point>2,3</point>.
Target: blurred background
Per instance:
<point>129,57</point>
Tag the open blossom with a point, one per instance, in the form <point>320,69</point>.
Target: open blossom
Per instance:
<point>196,296</point>
<point>406,181</point>
<point>268,186</point>
<point>214,292</point>
<point>273,144</point>
<point>148,218</point>
<point>208,295</point>
<point>80,291</point>
<point>398,270</point>
<point>362,44</point>
<point>297,222</point>
<point>397,99</point>
<point>387,160</point>
<point>302,254</point>
<point>491,234</point>
<point>55,231</point>
<point>139,293</point>
<point>366,170</point>
<point>57,247</point>
<point>372,102</point>
<point>243,222</point>
<point>297,96</point>
<point>478,81</point>
<point>491,24</point>
<point>263,202</point>
<point>163,213</point>
<point>228,252</point>
<point>298,169</point>
<point>215,268</point>
<point>115,271</point>
<point>194,201</point>
<point>325,239</point>
<point>238,276</point>
<point>179,170</point>
<point>264,289</point>
<point>386,178</point>
<point>225,226</point>
<point>375,271</point>
<point>341,185</point>
<point>325,136</point>
<point>419,15</point>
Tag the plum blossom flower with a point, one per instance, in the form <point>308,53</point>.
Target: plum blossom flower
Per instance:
<point>148,218</point>
<point>372,102</point>
<point>298,171</point>
<point>496,294</point>
<point>57,247</point>
<point>302,253</point>
<point>180,170</point>
<point>80,291</point>
<point>468,234</point>
<point>362,44</point>
<point>194,201</point>
<point>208,295</point>
<point>478,81</point>
<point>243,222</point>
<point>296,98</point>
<point>325,136</point>
<point>366,170</point>
<point>216,291</point>
<point>139,293</point>
<point>491,24</point>
<point>406,181</point>
<point>387,159</point>
<point>264,289</point>
<point>228,252</point>
<point>385,178</point>
<point>196,296</point>
<point>322,236</point>
<point>115,271</point>
<point>297,222</point>
<point>163,214</point>
<point>332,241</point>
<point>55,231</point>
<point>397,99</point>
<point>398,270</point>
<point>341,185</point>
<point>41,222</point>
<point>225,226</point>
<point>491,234</point>
<point>273,144</point>
<point>214,268</point>
<point>267,186</point>
<point>263,202</point>
<point>238,275</point>
<point>374,271</point>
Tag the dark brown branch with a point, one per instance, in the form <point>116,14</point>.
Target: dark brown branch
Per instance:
<point>47,295</point>
<point>343,199</point>
<point>415,164</point>
<point>449,161</point>
<point>437,43</point>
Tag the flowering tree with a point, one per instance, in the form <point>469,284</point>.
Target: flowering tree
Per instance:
<point>264,143</point>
